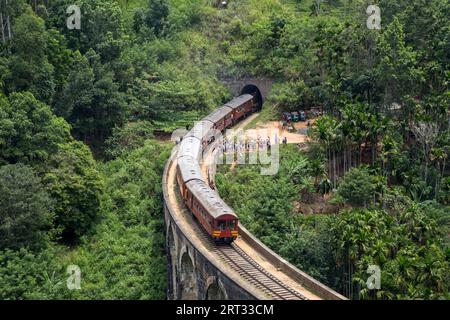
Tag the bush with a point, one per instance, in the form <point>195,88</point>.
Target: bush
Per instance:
<point>76,186</point>
<point>25,208</point>
<point>359,187</point>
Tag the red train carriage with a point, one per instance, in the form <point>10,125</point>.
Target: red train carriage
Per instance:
<point>216,217</point>
<point>222,118</point>
<point>228,120</point>
<point>242,106</point>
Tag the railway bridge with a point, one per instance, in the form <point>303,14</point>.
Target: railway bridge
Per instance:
<point>245,270</point>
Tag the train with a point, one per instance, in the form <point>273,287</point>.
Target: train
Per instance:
<point>218,220</point>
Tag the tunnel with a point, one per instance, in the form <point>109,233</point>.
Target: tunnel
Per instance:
<point>254,91</point>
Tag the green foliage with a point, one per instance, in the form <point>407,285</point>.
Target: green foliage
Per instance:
<point>131,136</point>
<point>398,69</point>
<point>359,187</point>
<point>413,263</point>
<point>408,240</point>
<point>308,246</point>
<point>91,100</point>
<point>74,183</point>
<point>29,131</point>
<point>28,275</point>
<point>122,257</point>
<point>156,16</point>
<point>292,96</point>
<point>125,257</point>
<point>29,67</point>
<point>264,205</point>
<point>25,208</point>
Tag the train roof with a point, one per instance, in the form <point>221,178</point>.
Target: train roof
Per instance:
<point>219,114</point>
<point>238,101</point>
<point>190,146</point>
<point>200,129</point>
<point>189,169</point>
<point>209,199</point>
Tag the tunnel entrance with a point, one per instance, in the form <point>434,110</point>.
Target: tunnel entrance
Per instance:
<point>254,91</point>
<point>214,292</point>
<point>187,278</point>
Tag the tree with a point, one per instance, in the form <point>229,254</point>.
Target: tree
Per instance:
<point>25,208</point>
<point>398,68</point>
<point>156,16</point>
<point>102,29</point>
<point>327,131</point>
<point>77,91</point>
<point>29,66</point>
<point>131,136</point>
<point>91,101</point>
<point>75,184</point>
<point>426,134</point>
<point>32,275</point>
<point>29,132</point>
<point>358,186</point>
<point>4,71</point>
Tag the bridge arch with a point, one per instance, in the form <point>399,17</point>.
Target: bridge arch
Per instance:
<point>215,290</point>
<point>188,282</point>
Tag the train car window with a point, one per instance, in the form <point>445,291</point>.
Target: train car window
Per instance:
<point>232,224</point>
<point>222,225</point>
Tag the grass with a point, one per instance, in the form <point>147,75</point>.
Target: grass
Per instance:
<point>131,4</point>
<point>268,113</point>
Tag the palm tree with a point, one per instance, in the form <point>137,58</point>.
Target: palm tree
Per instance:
<point>439,156</point>
<point>317,168</point>
<point>328,133</point>
<point>320,133</point>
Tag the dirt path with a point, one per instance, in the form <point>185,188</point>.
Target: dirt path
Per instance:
<point>292,137</point>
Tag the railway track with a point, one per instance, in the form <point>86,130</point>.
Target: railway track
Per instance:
<point>234,257</point>
<point>256,275</point>
<point>239,261</point>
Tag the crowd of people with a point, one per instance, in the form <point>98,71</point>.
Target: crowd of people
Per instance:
<point>245,145</point>
<point>249,145</point>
